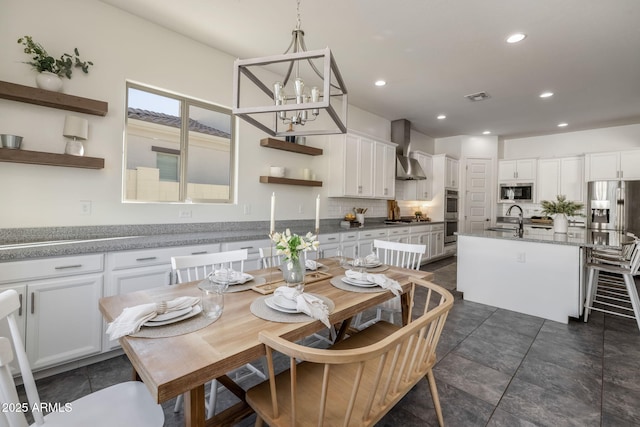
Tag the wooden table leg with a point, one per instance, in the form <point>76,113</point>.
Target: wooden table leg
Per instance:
<point>194,415</point>
<point>405,301</point>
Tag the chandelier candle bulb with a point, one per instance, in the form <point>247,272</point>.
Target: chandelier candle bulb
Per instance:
<point>318,214</point>
<point>272,224</point>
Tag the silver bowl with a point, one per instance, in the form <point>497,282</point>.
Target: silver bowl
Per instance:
<point>10,141</point>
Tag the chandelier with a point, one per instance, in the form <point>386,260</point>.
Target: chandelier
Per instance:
<point>284,95</point>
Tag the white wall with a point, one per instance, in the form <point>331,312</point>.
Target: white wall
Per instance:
<point>124,47</point>
<point>573,143</point>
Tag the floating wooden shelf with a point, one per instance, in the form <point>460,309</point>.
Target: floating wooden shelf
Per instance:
<point>50,159</point>
<point>289,181</point>
<point>290,146</point>
<point>46,98</point>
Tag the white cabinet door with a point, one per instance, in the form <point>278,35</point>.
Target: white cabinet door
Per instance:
<point>423,186</point>
<point>548,179</point>
<point>630,164</point>
<point>64,322</point>
<point>351,166</point>
<point>384,171</point>
<point>422,238</point>
<point>602,166</point>
<point>572,178</point>
<point>452,173</point>
<point>436,244</point>
<point>365,165</point>
<point>523,170</point>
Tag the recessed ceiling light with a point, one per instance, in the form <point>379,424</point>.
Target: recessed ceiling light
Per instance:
<point>441,117</point>
<point>546,94</point>
<point>486,132</point>
<point>515,38</point>
<point>561,125</point>
<point>380,83</point>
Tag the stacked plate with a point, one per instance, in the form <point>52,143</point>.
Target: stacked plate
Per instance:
<point>363,283</point>
<point>236,278</point>
<point>174,316</point>
<point>280,303</point>
<point>367,264</point>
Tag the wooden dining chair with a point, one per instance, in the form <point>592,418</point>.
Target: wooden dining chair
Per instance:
<point>197,267</point>
<point>357,381</point>
<point>611,287</point>
<point>128,403</point>
<point>405,255</point>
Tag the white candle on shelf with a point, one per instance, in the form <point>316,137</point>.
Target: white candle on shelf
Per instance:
<point>318,213</point>
<point>272,224</point>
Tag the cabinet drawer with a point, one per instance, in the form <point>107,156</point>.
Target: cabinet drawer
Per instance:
<point>324,239</point>
<point>50,267</point>
<point>402,231</point>
<point>372,234</point>
<point>156,256</point>
<point>351,236</point>
<point>252,246</point>
<point>418,229</point>
<point>437,227</point>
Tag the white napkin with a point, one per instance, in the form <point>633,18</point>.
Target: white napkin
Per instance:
<point>379,279</point>
<point>311,264</point>
<point>306,303</point>
<point>132,318</point>
<point>371,259</point>
<point>235,277</point>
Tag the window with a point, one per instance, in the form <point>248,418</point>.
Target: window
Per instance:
<point>178,149</point>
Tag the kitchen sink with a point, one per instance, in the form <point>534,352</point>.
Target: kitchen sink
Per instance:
<point>505,229</point>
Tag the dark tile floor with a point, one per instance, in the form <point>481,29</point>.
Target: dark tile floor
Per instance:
<point>496,368</point>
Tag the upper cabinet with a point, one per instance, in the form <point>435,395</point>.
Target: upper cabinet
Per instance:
<point>384,170</point>
<point>517,170</point>
<point>420,189</point>
<point>623,165</point>
<point>452,173</point>
<point>561,176</point>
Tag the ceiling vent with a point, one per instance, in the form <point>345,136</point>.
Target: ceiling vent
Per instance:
<point>480,96</point>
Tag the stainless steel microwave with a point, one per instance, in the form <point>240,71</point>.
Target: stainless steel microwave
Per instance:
<point>516,192</point>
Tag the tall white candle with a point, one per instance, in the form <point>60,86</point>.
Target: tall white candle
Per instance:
<point>272,224</point>
<point>318,213</point>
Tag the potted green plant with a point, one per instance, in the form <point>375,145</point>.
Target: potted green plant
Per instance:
<point>561,209</point>
<point>50,70</point>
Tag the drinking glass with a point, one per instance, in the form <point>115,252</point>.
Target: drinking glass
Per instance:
<point>212,298</point>
<point>340,257</point>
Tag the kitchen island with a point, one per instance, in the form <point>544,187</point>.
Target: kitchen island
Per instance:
<point>540,274</point>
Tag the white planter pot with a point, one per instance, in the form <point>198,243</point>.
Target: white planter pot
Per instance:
<point>49,81</point>
<point>560,223</point>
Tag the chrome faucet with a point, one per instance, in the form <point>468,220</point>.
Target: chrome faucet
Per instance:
<point>520,219</point>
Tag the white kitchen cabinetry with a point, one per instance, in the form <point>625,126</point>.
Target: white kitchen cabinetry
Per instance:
<point>561,176</point>
<point>253,261</point>
<point>349,243</point>
<point>523,170</point>
<point>399,234</point>
<point>351,166</point>
<point>366,238</point>
<point>329,245</point>
<point>623,165</point>
<point>384,170</point>
<point>59,313</point>
<point>436,241</point>
<point>452,172</point>
<point>421,235</point>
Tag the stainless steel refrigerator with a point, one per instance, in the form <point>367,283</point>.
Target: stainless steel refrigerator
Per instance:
<point>614,205</point>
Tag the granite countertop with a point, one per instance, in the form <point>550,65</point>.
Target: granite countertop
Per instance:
<point>576,236</point>
<point>19,244</point>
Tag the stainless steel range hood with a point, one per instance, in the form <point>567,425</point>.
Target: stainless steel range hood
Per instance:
<point>406,167</point>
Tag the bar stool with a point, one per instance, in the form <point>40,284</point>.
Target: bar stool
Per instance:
<point>611,284</point>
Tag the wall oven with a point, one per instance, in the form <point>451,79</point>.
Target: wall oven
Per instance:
<point>450,204</point>
<point>450,228</point>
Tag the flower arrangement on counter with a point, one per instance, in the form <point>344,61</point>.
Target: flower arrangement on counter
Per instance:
<point>41,61</point>
<point>290,244</point>
<point>561,206</point>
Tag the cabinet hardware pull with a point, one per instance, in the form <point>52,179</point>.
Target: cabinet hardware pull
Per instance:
<point>20,309</point>
<point>62,267</point>
<point>149,258</point>
<point>247,247</point>
<point>33,302</point>
<point>198,253</point>
<point>331,238</point>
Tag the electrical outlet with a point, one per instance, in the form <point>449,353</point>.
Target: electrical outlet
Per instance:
<point>184,214</point>
<point>300,208</point>
<point>246,209</point>
<point>85,207</point>
<point>521,257</point>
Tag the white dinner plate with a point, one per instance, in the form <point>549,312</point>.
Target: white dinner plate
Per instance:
<point>171,315</point>
<point>271,304</point>
<point>284,302</point>
<point>368,265</point>
<point>360,283</point>
<point>195,310</point>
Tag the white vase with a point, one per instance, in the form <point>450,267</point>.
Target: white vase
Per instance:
<point>49,81</point>
<point>560,223</point>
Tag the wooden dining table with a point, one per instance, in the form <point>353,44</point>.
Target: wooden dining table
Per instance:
<point>185,363</point>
